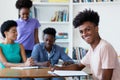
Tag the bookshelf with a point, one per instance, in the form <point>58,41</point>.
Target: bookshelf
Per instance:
<point>55,14</point>
<point>45,11</point>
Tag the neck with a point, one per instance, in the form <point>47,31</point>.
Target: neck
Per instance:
<point>8,41</point>
<point>96,42</point>
<point>49,49</point>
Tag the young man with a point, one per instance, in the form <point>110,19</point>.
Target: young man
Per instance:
<point>101,57</point>
<point>48,53</point>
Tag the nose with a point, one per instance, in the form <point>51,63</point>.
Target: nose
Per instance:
<point>16,33</point>
<point>48,42</point>
<point>84,33</point>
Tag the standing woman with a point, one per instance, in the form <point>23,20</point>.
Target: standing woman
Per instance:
<point>27,27</point>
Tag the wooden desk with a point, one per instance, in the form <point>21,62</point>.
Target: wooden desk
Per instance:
<point>25,73</point>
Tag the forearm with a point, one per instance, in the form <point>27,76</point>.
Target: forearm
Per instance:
<point>73,67</point>
<point>36,36</point>
<point>13,64</point>
<point>36,41</point>
<point>107,74</point>
<point>38,64</point>
<point>46,64</point>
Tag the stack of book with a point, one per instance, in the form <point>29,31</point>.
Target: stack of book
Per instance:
<point>58,0</point>
<point>62,35</point>
<point>77,1</point>
<point>66,50</point>
<point>60,16</point>
<point>79,53</point>
<point>33,12</point>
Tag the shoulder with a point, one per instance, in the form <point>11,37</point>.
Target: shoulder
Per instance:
<point>58,48</point>
<point>39,45</point>
<point>19,44</point>
<point>106,47</point>
<point>34,20</point>
<point>105,44</point>
<point>18,20</point>
<point>1,44</point>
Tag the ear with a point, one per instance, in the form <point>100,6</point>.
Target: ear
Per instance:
<point>54,39</point>
<point>5,32</point>
<point>96,28</point>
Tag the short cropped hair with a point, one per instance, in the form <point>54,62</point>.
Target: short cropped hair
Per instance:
<point>23,4</point>
<point>50,31</point>
<point>86,15</point>
<point>7,25</point>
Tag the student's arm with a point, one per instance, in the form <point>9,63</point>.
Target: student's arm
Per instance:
<point>36,53</point>
<point>46,63</point>
<point>8,64</point>
<point>63,56</point>
<point>69,67</point>
<point>107,74</point>
<point>23,54</point>
<point>27,62</point>
<point>36,36</point>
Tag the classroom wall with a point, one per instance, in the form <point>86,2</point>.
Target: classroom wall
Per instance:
<point>7,10</point>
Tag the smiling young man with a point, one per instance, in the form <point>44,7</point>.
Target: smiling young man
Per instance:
<point>101,57</point>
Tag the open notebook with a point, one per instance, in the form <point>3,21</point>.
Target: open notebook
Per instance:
<point>68,73</point>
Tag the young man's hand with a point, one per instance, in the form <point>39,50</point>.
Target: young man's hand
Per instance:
<point>67,63</point>
<point>56,68</point>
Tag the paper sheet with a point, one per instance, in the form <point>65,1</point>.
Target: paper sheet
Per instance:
<point>68,73</point>
<point>30,67</point>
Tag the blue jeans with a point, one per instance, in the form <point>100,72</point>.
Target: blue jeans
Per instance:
<point>60,78</point>
<point>16,79</point>
<point>27,79</point>
<point>9,79</point>
<point>28,53</point>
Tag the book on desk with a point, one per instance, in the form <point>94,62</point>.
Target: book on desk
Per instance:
<point>29,67</point>
<point>68,73</point>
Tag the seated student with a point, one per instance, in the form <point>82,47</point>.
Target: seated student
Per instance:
<point>12,54</point>
<point>47,53</point>
<point>101,57</point>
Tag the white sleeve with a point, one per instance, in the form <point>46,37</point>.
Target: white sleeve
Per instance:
<point>108,57</point>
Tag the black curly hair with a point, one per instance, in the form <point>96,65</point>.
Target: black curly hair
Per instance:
<point>23,4</point>
<point>86,15</point>
<point>50,31</point>
<point>6,26</point>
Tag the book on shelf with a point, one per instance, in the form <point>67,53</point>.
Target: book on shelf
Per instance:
<point>75,1</point>
<point>33,12</point>
<point>60,16</point>
<point>65,49</point>
<point>78,1</point>
<point>58,0</point>
<point>62,35</point>
<point>78,53</point>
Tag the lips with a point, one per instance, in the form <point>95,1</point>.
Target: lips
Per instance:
<point>87,39</point>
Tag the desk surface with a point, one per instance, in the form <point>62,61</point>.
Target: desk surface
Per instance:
<point>25,73</point>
